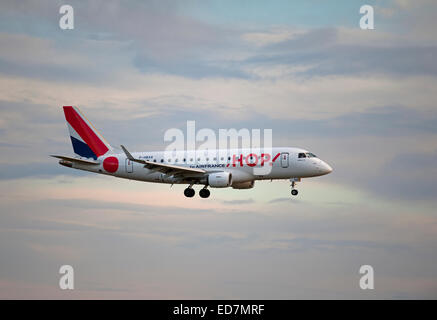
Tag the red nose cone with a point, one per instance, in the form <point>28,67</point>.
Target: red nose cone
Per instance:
<point>110,164</point>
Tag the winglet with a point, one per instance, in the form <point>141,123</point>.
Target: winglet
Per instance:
<point>127,153</point>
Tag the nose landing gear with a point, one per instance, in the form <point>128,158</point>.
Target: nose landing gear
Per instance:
<point>293,181</point>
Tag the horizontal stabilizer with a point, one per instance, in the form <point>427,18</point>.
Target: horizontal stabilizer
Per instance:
<point>81,161</point>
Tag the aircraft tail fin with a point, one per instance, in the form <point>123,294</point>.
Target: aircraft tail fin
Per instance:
<point>87,141</point>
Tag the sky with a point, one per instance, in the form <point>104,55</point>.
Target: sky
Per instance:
<point>362,100</point>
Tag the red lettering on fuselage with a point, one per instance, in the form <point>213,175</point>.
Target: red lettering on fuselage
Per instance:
<point>249,159</point>
<point>234,160</point>
<point>252,159</point>
<point>265,157</point>
<point>276,157</point>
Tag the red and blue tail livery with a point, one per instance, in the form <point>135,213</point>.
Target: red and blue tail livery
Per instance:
<point>87,142</point>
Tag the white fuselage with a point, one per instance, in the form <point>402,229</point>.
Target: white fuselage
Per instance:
<point>244,165</point>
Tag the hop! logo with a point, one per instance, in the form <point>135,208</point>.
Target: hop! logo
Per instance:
<point>252,159</point>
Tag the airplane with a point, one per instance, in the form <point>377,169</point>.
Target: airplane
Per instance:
<point>232,168</point>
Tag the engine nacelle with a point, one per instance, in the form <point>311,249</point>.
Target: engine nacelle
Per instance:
<point>244,185</point>
<point>220,179</point>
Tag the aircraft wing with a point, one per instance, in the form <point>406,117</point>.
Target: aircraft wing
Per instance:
<point>164,168</point>
<point>81,161</point>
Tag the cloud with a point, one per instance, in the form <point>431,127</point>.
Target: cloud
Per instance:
<point>32,169</point>
<point>101,240</point>
<point>143,241</point>
<point>110,35</point>
<point>333,52</point>
<point>237,202</point>
<point>409,176</point>
<point>63,60</point>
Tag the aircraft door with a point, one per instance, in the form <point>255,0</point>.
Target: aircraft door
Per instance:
<point>129,166</point>
<point>284,160</point>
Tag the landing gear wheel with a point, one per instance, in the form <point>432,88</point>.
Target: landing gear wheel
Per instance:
<point>189,192</point>
<point>204,193</point>
<point>293,181</point>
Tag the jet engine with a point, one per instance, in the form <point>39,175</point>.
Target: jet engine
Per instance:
<point>220,179</point>
<point>243,185</point>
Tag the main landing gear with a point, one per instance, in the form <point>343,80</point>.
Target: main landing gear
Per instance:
<point>293,181</point>
<point>203,193</point>
<point>189,192</point>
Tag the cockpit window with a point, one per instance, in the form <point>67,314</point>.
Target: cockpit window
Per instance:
<point>306,155</point>
<point>311,155</point>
